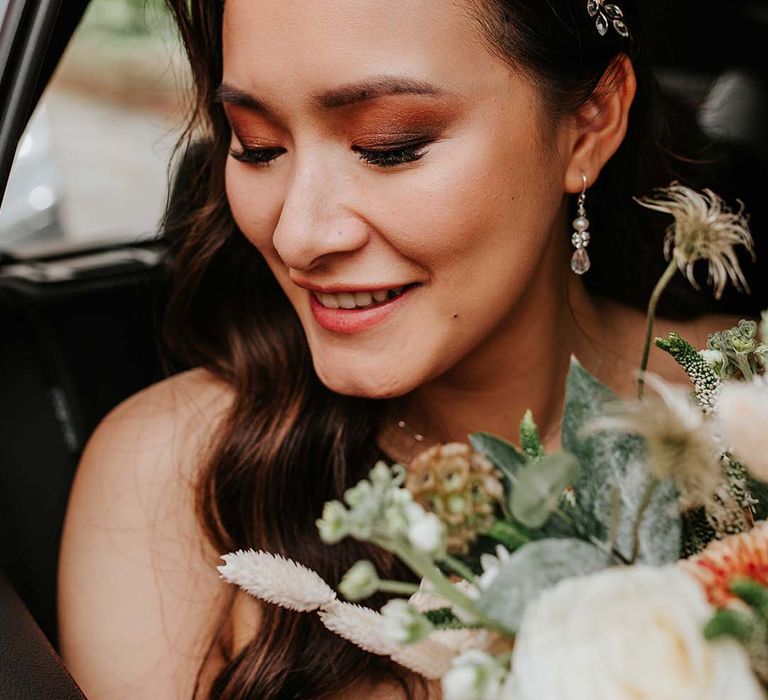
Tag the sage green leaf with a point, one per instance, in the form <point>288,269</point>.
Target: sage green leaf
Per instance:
<point>529,437</point>
<point>505,456</point>
<point>616,463</point>
<point>534,568</point>
<point>753,594</point>
<point>540,486</point>
<point>734,624</point>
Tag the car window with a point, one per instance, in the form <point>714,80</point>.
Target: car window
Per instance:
<point>92,165</point>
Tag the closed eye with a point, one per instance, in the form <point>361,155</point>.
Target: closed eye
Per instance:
<point>379,157</point>
<point>391,157</point>
<point>256,156</point>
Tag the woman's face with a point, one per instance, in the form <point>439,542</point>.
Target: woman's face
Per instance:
<point>380,145</point>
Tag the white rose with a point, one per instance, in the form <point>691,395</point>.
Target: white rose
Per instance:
<point>742,418</point>
<point>629,632</point>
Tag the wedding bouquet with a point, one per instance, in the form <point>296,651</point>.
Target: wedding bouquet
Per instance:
<point>633,564</point>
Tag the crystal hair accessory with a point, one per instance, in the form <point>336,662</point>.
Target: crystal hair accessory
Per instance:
<point>606,14</point>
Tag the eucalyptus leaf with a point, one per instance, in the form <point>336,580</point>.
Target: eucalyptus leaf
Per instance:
<point>616,463</point>
<point>531,570</point>
<point>540,486</point>
<point>505,456</point>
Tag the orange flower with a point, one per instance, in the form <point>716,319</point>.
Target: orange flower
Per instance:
<point>738,556</point>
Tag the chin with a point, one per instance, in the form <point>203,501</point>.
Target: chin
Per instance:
<point>385,380</point>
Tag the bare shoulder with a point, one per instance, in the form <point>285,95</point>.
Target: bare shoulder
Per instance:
<point>138,588</point>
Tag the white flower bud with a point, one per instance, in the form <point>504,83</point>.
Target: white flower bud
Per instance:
<point>461,683</point>
<point>381,476</point>
<point>475,675</point>
<point>359,494</point>
<point>715,359</point>
<point>403,624</point>
<point>360,582</point>
<point>761,353</point>
<point>426,531</point>
<point>334,525</point>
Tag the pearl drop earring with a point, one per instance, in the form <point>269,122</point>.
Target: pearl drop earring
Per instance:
<point>580,261</point>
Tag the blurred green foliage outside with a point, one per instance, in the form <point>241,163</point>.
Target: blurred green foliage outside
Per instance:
<point>127,18</point>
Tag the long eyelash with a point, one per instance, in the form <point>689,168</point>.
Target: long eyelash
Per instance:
<point>261,157</point>
<point>389,158</point>
<point>393,156</point>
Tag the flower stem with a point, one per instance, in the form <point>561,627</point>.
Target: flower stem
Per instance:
<point>424,567</point>
<point>399,587</point>
<point>650,489</point>
<point>661,285</point>
<point>508,534</point>
<point>459,568</point>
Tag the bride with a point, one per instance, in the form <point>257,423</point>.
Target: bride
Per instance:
<point>376,254</point>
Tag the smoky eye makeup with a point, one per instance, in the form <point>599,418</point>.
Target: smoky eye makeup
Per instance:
<point>381,136</point>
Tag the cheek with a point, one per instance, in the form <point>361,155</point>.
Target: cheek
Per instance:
<point>487,202</point>
<point>255,206</point>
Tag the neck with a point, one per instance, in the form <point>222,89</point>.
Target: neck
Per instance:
<point>522,365</point>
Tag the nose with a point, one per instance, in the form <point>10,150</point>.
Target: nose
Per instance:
<point>317,219</point>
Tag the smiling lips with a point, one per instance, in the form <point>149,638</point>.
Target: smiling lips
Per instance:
<point>352,312</point>
<point>357,300</point>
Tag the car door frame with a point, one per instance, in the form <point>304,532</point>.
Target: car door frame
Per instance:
<point>33,34</point>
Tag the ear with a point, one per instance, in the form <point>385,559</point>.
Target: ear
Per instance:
<point>601,124</point>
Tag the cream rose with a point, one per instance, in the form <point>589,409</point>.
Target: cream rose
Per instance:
<point>626,633</point>
<point>743,422</point>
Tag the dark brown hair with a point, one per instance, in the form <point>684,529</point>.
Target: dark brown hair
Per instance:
<point>288,443</point>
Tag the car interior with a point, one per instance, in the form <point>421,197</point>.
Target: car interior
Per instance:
<point>81,327</point>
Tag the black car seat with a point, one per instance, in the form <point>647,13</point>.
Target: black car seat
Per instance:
<point>79,335</point>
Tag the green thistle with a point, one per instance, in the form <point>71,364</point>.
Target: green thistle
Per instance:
<point>697,532</point>
<point>738,477</point>
<point>729,511</point>
<point>706,383</point>
<point>529,437</point>
<point>743,353</point>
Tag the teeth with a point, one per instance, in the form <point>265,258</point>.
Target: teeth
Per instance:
<point>328,300</point>
<point>346,301</point>
<point>358,300</point>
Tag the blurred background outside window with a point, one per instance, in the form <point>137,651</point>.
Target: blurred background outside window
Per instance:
<point>92,165</point>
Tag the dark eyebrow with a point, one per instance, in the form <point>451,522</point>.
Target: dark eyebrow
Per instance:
<point>371,89</point>
<point>353,93</point>
<point>235,96</point>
